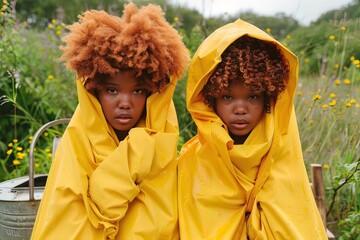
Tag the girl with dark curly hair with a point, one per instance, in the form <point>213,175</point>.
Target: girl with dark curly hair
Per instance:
<point>243,176</point>
<point>244,84</point>
<point>114,173</point>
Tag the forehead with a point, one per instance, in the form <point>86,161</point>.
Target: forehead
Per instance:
<point>240,87</point>
<point>123,78</point>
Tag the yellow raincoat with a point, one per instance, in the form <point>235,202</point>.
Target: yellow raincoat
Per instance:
<point>258,190</point>
<point>100,188</point>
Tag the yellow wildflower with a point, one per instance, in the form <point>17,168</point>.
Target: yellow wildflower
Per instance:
<point>326,166</point>
<point>332,103</point>
<point>4,7</point>
<point>9,152</point>
<point>332,95</point>
<point>345,68</point>
<point>50,26</point>
<point>288,36</point>
<point>324,106</point>
<point>15,140</point>
<point>10,144</point>
<point>46,134</point>
<point>5,2</point>
<point>285,44</point>
<point>268,30</point>
<point>36,165</point>
<point>311,121</point>
<point>16,162</point>
<point>343,28</point>
<point>30,138</point>
<point>337,82</point>
<point>53,21</point>
<point>336,65</point>
<point>316,97</point>
<point>352,101</point>
<point>50,77</point>
<point>348,104</point>
<point>306,60</point>
<point>356,61</point>
<point>20,155</point>
<point>176,19</point>
<point>352,58</point>
<point>302,52</point>
<point>357,105</point>
<point>332,37</point>
<point>49,154</point>
<point>58,32</point>
<point>19,148</point>
<point>47,150</point>
<point>347,81</point>
<point>2,13</point>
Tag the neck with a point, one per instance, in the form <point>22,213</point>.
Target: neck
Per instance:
<point>239,139</point>
<point>121,134</point>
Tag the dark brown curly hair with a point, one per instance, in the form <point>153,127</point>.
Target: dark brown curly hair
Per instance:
<point>258,64</point>
<point>99,45</point>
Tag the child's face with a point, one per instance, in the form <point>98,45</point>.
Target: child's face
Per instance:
<point>123,100</point>
<point>241,110</point>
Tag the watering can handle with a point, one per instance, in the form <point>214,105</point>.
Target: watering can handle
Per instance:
<point>32,149</point>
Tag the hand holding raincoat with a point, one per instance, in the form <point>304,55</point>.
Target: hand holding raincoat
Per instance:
<point>257,190</point>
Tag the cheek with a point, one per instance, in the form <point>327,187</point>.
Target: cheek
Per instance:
<point>107,103</point>
<point>259,113</point>
<point>222,111</point>
<point>140,102</point>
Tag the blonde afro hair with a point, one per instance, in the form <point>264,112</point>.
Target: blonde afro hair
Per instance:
<point>99,45</point>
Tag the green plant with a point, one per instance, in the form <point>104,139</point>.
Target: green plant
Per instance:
<point>328,110</point>
<point>350,227</point>
<point>34,87</point>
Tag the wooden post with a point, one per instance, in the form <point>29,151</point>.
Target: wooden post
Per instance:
<point>319,190</point>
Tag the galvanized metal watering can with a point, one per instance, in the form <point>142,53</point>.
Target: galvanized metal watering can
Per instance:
<point>20,197</point>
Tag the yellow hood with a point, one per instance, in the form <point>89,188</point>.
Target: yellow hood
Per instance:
<point>259,189</point>
<point>100,188</point>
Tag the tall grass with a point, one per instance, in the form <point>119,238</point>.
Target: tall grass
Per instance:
<point>328,113</point>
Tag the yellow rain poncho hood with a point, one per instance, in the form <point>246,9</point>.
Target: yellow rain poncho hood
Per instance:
<point>258,190</point>
<point>99,188</point>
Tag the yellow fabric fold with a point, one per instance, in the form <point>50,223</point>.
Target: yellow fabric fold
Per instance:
<point>100,188</point>
<point>258,190</point>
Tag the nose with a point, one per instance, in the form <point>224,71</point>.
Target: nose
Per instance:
<point>240,107</point>
<point>124,101</point>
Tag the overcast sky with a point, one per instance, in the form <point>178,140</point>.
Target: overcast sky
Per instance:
<point>304,11</point>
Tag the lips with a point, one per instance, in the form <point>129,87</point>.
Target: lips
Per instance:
<point>240,124</point>
<point>123,118</point>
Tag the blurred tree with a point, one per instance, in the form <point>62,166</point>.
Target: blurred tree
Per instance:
<point>278,25</point>
<point>350,11</point>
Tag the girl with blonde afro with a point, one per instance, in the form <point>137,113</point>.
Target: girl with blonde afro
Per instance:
<point>114,173</point>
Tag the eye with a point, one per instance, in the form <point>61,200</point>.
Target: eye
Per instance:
<point>139,91</point>
<point>254,96</point>
<point>227,97</point>
<point>111,90</point>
